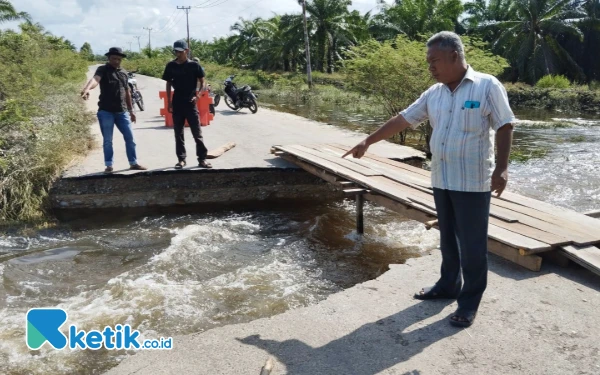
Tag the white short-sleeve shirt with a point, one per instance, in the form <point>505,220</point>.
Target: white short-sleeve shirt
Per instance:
<point>464,124</point>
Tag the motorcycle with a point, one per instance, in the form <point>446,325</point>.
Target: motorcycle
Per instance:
<point>237,99</point>
<point>136,95</point>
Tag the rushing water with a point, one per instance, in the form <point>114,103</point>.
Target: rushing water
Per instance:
<point>171,275</point>
<point>182,274</point>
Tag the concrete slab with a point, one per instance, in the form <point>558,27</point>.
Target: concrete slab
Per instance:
<point>528,323</point>
<point>253,134</point>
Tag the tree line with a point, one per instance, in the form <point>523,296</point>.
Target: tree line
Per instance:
<point>537,37</point>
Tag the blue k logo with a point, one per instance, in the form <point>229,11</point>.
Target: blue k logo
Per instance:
<point>44,325</point>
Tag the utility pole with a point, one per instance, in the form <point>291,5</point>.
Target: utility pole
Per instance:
<point>130,46</point>
<point>149,38</point>
<point>307,43</point>
<point>139,45</point>
<point>187,19</point>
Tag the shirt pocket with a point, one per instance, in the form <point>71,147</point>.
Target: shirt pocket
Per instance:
<point>472,119</point>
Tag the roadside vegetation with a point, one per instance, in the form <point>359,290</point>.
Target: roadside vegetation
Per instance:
<point>43,124</point>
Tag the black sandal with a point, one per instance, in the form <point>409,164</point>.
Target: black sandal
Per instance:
<point>180,164</point>
<point>204,164</point>
<point>430,293</point>
<point>463,319</point>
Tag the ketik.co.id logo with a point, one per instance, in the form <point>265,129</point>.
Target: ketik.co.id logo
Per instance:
<point>43,325</point>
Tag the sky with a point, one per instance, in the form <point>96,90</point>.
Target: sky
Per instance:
<point>108,23</point>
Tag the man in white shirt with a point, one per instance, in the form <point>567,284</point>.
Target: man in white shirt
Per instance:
<point>465,108</point>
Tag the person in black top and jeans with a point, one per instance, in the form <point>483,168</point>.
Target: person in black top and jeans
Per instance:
<point>114,108</point>
<point>187,78</point>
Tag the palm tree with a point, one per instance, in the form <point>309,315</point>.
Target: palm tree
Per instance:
<point>420,17</point>
<point>293,39</point>
<point>590,28</point>
<point>481,12</point>
<point>245,45</point>
<point>531,40</point>
<point>8,12</point>
<point>327,18</point>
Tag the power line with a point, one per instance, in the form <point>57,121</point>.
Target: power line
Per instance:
<point>168,23</point>
<point>169,19</point>
<point>175,23</point>
<point>220,21</point>
<point>215,4</point>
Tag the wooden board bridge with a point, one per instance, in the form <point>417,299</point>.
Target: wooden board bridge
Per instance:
<point>520,228</point>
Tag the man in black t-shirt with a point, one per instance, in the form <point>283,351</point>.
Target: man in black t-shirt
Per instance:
<point>115,107</point>
<point>187,78</point>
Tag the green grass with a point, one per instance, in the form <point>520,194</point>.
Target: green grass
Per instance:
<point>521,155</point>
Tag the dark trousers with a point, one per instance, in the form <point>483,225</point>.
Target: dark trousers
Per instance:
<point>463,221</point>
<point>189,112</point>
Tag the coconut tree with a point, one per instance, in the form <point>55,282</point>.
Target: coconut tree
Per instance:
<point>589,25</point>
<point>419,17</point>
<point>481,12</point>
<point>328,19</point>
<point>531,40</point>
<point>9,13</point>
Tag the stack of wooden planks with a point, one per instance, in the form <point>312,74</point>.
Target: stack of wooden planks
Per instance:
<point>520,227</point>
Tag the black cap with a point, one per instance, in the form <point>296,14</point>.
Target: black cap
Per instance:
<point>180,45</point>
<point>115,51</point>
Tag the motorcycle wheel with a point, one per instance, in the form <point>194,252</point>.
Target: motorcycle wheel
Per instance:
<point>253,107</point>
<point>230,104</point>
<point>217,100</point>
<point>140,102</point>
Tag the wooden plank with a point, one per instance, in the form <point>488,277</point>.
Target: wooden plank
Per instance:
<point>407,175</point>
<point>333,168</point>
<point>525,237</point>
<point>213,154</point>
<point>333,159</point>
<point>355,191</point>
<point>531,262</point>
<point>331,178</point>
<point>576,236</point>
<point>387,161</point>
<point>565,213</point>
<point>582,233</point>
<point>564,224</point>
<point>587,256</point>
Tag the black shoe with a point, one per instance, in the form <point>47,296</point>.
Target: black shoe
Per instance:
<point>108,170</point>
<point>204,164</point>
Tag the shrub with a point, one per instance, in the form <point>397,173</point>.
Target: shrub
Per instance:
<point>43,123</point>
<point>553,82</point>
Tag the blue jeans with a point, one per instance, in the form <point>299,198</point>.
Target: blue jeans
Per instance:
<point>463,221</point>
<point>107,121</point>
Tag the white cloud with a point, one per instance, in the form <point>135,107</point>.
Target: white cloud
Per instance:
<point>107,23</point>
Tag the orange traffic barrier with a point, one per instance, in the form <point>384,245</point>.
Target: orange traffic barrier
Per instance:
<point>203,103</point>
